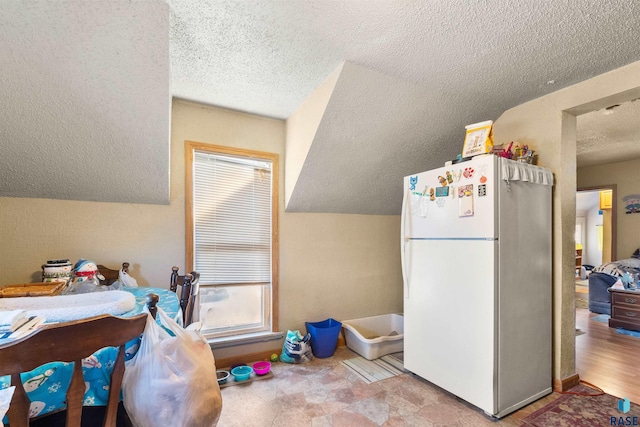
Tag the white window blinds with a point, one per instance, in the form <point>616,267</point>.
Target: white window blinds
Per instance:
<point>232,219</point>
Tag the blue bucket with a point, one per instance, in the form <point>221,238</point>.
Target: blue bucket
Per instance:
<point>324,337</point>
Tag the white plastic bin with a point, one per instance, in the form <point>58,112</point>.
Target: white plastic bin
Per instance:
<point>373,337</point>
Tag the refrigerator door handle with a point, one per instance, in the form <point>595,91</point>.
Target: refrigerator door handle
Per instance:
<point>404,239</point>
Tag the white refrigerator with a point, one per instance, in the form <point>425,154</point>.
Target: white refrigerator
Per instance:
<point>476,264</point>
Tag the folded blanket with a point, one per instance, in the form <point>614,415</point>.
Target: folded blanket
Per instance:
<point>12,318</point>
<point>63,308</point>
<point>619,267</point>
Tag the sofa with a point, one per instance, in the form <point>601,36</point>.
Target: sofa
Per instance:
<point>604,276</point>
<point>599,284</point>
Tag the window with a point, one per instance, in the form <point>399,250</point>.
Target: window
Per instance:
<point>232,214</point>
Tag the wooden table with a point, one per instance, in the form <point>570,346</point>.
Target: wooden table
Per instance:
<point>625,309</point>
<point>47,385</point>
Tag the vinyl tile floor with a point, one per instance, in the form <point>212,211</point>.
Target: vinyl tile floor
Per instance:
<point>324,392</point>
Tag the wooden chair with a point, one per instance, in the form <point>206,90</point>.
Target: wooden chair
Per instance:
<point>190,284</point>
<point>69,342</point>
<point>111,275</point>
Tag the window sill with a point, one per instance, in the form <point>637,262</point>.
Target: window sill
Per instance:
<point>236,340</point>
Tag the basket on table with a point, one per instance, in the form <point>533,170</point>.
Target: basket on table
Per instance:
<point>32,289</point>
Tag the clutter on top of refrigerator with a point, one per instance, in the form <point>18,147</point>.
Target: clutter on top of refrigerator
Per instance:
<point>519,153</point>
<point>524,154</point>
<point>478,139</point>
<point>500,151</point>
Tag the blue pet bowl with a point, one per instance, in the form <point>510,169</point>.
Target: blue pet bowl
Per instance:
<point>241,373</point>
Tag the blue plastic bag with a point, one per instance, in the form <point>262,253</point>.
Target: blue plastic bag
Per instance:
<point>296,348</point>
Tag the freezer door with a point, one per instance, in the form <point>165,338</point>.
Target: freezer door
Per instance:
<point>445,214</point>
<point>449,316</point>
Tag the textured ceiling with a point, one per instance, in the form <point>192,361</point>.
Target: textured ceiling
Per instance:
<point>416,73</point>
<point>85,100</point>
<point>609,135</point>
<point>85,87</point>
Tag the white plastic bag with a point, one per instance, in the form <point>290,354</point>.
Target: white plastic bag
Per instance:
<point>171,381</point>
<point>124,281</point>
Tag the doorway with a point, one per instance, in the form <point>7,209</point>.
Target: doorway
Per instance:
<point>596,225</point>
<point>596,237</point>
<point>593,237</point>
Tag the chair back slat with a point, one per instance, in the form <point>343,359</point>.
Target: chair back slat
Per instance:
<point>190,287</point>
<point>173,286</point>
<point>185,293</point>
<point>18,411</point>
<point>194,292</point>
<point>114,389</point>
<point>75,395</point>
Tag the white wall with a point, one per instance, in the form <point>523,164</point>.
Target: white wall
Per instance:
<point>592,255</point>
<point>587,207</point>
<point>626,177</point>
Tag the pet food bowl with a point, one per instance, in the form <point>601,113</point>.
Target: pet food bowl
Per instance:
<point>262,368</point>
<point>223,376</point>
<point>241,373</point>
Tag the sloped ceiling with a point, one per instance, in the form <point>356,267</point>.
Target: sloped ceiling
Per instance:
<point>90,80</point>
<point>374,131</point>
<point>85,100</point>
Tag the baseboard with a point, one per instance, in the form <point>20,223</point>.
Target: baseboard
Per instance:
<point>565,384</point>
<point>263,355</point>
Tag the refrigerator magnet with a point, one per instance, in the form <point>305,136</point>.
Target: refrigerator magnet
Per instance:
<point>432,194</point>
<point>442,191</point>
<point>465,200</point>
<point>465,191</point>
<point>440,202</point>
<point>424,207</point>
<point>449,177</point>
<point>468,172</point>
<point>482,190</point>
<point>416,203</point>
<point>413,180</point>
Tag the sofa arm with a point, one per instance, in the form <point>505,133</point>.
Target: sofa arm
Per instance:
<point>599,284</point>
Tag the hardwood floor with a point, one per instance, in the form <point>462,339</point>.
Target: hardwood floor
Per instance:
<point>606,358</point>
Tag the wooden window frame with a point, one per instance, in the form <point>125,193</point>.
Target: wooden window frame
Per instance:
<point>190,148</point>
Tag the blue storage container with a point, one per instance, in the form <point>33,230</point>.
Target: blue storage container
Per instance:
<point>324,337</point>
